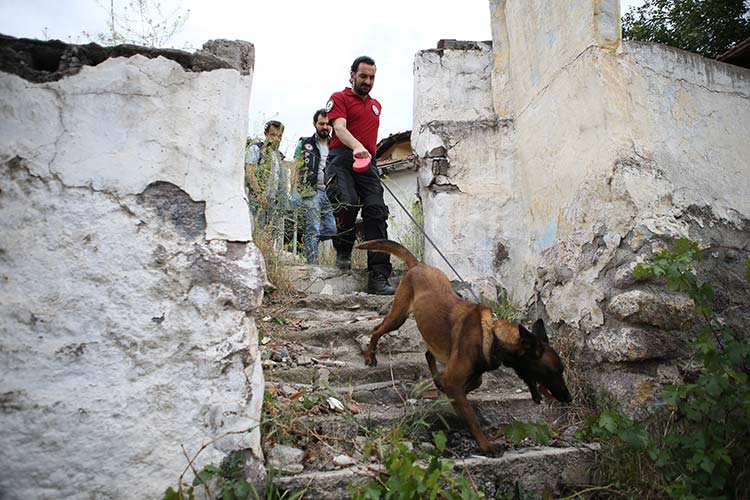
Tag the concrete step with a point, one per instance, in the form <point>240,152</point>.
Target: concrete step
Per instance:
<point>385,403</point>
<point>312,317</point>
<point>350,301</point>
<point>353,337</point>
<point>330,281</point>
<point>535,469</point>
<point>494,412</point>
<point>350,370</point>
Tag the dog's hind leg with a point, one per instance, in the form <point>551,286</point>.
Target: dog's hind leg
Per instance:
<point>433,369</point>
<point>473,383</point>
<point>393,320</point>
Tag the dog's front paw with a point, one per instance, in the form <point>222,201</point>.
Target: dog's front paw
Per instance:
<point>370,359</point>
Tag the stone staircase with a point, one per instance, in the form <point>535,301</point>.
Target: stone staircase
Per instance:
<point>312,345</point>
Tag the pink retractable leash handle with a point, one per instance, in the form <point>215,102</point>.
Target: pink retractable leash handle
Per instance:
<point>361,164</point>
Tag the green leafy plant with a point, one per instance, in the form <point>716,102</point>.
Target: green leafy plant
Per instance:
<point>503,308</point>
<point>233,485</point>
<point>538,432</point>
<point>609,424</point>
<point>698,451</point>
<point>405,477</point>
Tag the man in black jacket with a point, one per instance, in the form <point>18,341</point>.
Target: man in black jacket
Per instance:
<point>312,153</point>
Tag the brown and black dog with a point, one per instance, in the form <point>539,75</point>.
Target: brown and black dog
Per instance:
<point>464,337</point>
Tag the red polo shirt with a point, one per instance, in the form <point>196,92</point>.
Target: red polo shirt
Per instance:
<point>362,117</point>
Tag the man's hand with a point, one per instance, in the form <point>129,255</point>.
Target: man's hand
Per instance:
<point>360,152</point>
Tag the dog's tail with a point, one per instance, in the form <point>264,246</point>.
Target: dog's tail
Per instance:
<point>392,248</point>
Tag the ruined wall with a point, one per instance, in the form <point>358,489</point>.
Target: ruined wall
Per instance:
<point>403,184</point>
<point>128,275</point>
<point>466,159</point>
<point>612,150</point>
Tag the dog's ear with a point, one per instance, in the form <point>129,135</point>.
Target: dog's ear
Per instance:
<point>531,344</point>
<point>539,331</point>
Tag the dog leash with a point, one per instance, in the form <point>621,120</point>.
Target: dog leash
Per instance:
<point>421,230</point>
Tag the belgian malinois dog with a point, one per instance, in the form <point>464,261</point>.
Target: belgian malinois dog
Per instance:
<point>466,339</point>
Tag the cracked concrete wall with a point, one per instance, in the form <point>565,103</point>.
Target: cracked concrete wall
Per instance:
<point>602,152</point>
<point>191,119</point>
<point>128,278</point>
<point>466,163</point>
<point>403,184</point>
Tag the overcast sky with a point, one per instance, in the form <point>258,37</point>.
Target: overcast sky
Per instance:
<point>303,49</point>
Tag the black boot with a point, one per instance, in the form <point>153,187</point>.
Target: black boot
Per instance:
<point>377,284</point>
<point>343,261</point>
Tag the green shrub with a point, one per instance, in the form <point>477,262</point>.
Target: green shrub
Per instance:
<point>538,432</point>
<point>699,449</point>
<point>406,479</point>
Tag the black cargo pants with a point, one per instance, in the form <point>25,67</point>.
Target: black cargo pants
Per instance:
<point>349,191</point>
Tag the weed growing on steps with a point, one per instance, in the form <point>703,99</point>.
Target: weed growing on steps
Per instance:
<point>225,481</point>
<point>410,476</point>
<point>426,473</point>
<point>695,448</point>
<point>288,420</point>
<point>276,261</point>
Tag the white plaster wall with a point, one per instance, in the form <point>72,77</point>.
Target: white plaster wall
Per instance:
<point>130,121</point>
<point>600,133</point>
<point>449,85</point>
<point>692,116</point>
<point>541,38</point>
<point>125,309</point>
<point>603,103</point>
<point>471,212</point>
<point>601,152</point>
<point>403,184</point>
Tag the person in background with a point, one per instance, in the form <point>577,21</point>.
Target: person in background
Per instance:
<point>311,154</point>
<point>265,176</point>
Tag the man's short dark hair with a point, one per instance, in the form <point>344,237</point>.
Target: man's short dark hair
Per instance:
<point>318,113</point>
<point>273,123</point>
<point>362,59</point>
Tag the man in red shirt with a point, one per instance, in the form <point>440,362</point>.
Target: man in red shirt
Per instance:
<point>356,117</point>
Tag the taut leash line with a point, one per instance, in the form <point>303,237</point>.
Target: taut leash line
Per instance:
<point>421,230</point>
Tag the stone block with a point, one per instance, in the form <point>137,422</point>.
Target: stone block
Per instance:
<point>632,344</point>
<point>662,310</point>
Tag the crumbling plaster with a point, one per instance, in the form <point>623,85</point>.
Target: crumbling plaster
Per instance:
<point>128,277</point>
<point>581,109</point>
<point>51,125</point>
<point>593,154</point>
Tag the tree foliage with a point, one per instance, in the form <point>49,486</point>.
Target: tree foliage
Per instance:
<point>706,27</point>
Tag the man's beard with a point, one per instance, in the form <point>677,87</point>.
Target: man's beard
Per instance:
<point>323,134</point>
<point>360,90</point>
